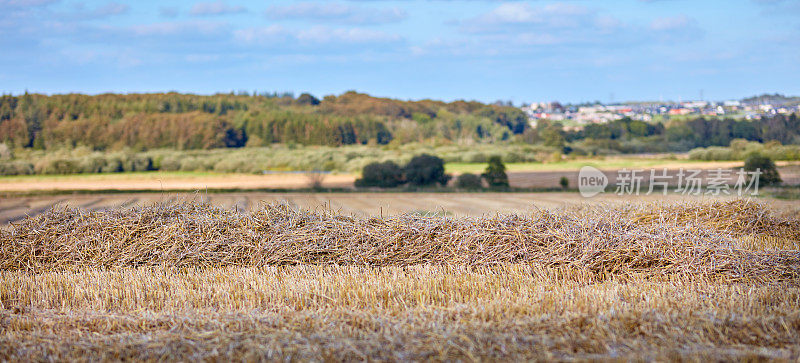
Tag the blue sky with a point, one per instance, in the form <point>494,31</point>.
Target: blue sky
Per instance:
<point>523,51</point>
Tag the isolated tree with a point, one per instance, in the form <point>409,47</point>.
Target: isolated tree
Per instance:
<point>769,172</point>
<point>495,174</point>
<point>469,181</point>
<point>564,182</point>
<point>426,170</point>
<point>383,175</point>
<point>307,99</point>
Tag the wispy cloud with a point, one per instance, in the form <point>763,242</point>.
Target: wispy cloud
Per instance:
<point>111,9</point>
<point>81,12</point>
<point>518,15</point>
<point>22,4</point>
<point>168,11</point>
<point>671,23</point>
<point>674,28</point>
<point>315,35</point>
<point>336,12</point>
<point>268,34</point>
<point>321,34</point>
<point>177,28</point>
<point>215,8</point>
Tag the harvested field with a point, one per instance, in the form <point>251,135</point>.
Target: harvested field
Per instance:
<point>159,181</point>
<point>656,281</point>
<point>15,208</point>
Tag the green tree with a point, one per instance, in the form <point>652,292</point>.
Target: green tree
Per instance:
<point>495,174</point>
<point>426,170</point>
<point>469,181</point>
<point>564,182</point>
<point>553,137</point>
<point>769,172</point>
<point>307,99</point>
<point>383,175</point>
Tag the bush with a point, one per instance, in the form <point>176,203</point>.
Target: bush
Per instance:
<point>473,157</point>
<point>91,164</point>
<point>383,175</point>
<point>769,172</point>
<point>170,163</point>
<point>56,166</point>
<point>192,164</point>
<point>5,152</point>
<point>469,181</point>
<point>113,165</point>
<point>426,170</point>
<point>495,173</point>
<point>137,163</point>
<point>307,99</point>
<point>17,167</point>
<point>564,182</point>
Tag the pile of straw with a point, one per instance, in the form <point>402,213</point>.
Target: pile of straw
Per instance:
<point>697,239</point>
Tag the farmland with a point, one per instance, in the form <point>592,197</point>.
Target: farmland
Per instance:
<point>232,266</point>
<point>669,279</point>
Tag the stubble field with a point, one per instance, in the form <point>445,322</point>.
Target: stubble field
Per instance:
<point>682,279</point>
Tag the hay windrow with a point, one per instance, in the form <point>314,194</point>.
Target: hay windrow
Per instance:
<point>698,239</point>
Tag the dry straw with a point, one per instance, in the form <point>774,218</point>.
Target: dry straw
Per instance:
<point>701,239</point>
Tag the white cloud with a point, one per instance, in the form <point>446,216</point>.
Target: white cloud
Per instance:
<point>515,17</point>
<point>275,34</point>
<point>215,8</point>
<point>336,12</point>
<point>21,4</point>
<point>320,34</point>
<point>676,28</point>
<point>81,12</point>
<point>268,34</point>
<point>524,13</point>
<point>111,9</point>
<point>671,23</point>
<point>178,28</point>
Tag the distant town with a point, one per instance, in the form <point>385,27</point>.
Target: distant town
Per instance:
<point>576,116</point>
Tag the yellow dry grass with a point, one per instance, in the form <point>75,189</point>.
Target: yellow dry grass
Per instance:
<point>699,281</point>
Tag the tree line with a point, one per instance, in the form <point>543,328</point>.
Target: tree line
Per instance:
<point>427,170</point>
<point>186,121</point>
<point>633,136</point>
<point>190,122</point>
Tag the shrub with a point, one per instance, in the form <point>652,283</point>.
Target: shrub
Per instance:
<point>495,173</point>
<point>170,163</point>
<point>474,157</point>
<point>307,99</point>
<point>426,170</point>
<point>17,167</point>
<point>56,166</point>
<point>192,164</point>
<point>383,175</point>
<point>5,152</point>
<point>563,182</point>
<point>769,172</point>
<point>315,179</point>
<point>113,165</point>
<point>469,181</point>
<point>91,164</point>
<point>137,163</point>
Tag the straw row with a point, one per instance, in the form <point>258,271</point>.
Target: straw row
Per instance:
<point>699,239</point>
